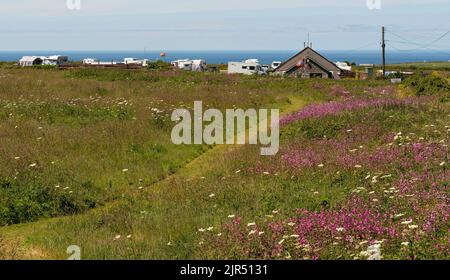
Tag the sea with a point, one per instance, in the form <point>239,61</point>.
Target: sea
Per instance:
<point>219,57</point>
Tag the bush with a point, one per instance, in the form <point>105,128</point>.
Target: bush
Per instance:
<point>28,201</point>
<point>428,85</point>
<point>159,66</point>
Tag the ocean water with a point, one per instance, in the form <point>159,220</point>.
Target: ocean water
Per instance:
<point>216,57</point>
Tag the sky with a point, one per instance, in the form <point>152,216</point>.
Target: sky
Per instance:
<point>222,24</point>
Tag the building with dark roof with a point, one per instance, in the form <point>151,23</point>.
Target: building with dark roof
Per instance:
<point>309,64</point>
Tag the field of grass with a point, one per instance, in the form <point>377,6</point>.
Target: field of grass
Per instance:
<point>86,159</point>
<point>441,66</point>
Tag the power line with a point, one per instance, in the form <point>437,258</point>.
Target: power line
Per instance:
<point>407,43</point>
<point>413,50</point>
<point>440,38</point>
<point>421,46</point>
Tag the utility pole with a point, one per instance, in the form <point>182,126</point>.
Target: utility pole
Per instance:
<point>383,46</point>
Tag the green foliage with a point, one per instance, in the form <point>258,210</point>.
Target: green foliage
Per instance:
<point>121,159</point>
<point>428,85</point>
<point>159,65</point>
<point>109,74</point>
<point>27,200</point>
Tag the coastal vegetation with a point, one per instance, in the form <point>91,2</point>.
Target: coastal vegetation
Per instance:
<point>86,159</point>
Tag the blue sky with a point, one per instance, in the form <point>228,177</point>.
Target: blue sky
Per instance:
<point>221,24</point>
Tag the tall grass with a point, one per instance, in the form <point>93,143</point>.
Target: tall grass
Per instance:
<point>93,147</point>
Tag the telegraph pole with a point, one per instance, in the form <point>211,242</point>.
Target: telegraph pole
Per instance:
<point>383,46</point>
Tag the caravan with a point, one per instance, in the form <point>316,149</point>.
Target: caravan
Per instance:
<point>248,67</point>
<point>183,64</point>
<point>195,65</point>
<point>135,61</point>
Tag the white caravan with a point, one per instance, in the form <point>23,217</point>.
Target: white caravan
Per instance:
<point>183,64</point>
<point>248,67</point>
<point>90,61</point>
<point>135,61</point>
<point>275,65</point>
<point>199,65</point>
<point>55,60</point>
<point>344,66</point>
<point>195,65</point>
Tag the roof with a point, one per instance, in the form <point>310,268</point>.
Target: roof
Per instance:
<point>29,58</point>
<point>310,53</point>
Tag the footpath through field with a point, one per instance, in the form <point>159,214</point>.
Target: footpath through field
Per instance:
<point>22,234</point>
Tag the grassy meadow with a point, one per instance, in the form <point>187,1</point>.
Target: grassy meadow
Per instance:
<point>86,159</point>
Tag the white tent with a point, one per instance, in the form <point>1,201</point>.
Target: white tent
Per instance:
<point>27,61</point>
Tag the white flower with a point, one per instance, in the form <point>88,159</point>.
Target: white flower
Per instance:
<point>340,229</point>
<point>295,236</point>
<point>231,216</point>
<point>33,165</point>
<point>399,215</point>
<point>238,171</point>
<point>374,252</point>
<point>281,241</point>
<point>407,222</point>
<point>358,166</point>
<point>251,224</point>
<point>129,236</point>
<point>260,233</point>
<point>442,163</point>
<point>125,170</point>
<point>291,224</point>
<point>364,254</point>
<point>405,243</point>
<point>117,237</point>
<point>252,232</point>
<point>212,195</point>
<point>413,226</point>
<point>320,165</point>
<point>210,228</point>
<point>201,230</point>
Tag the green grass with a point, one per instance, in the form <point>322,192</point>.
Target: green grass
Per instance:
<point>94,132</point>
<point>438,66</point>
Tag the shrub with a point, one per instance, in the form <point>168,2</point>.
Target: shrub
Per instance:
<point>159,65</point>
<point>428,85</point>
<point>28,201</point>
